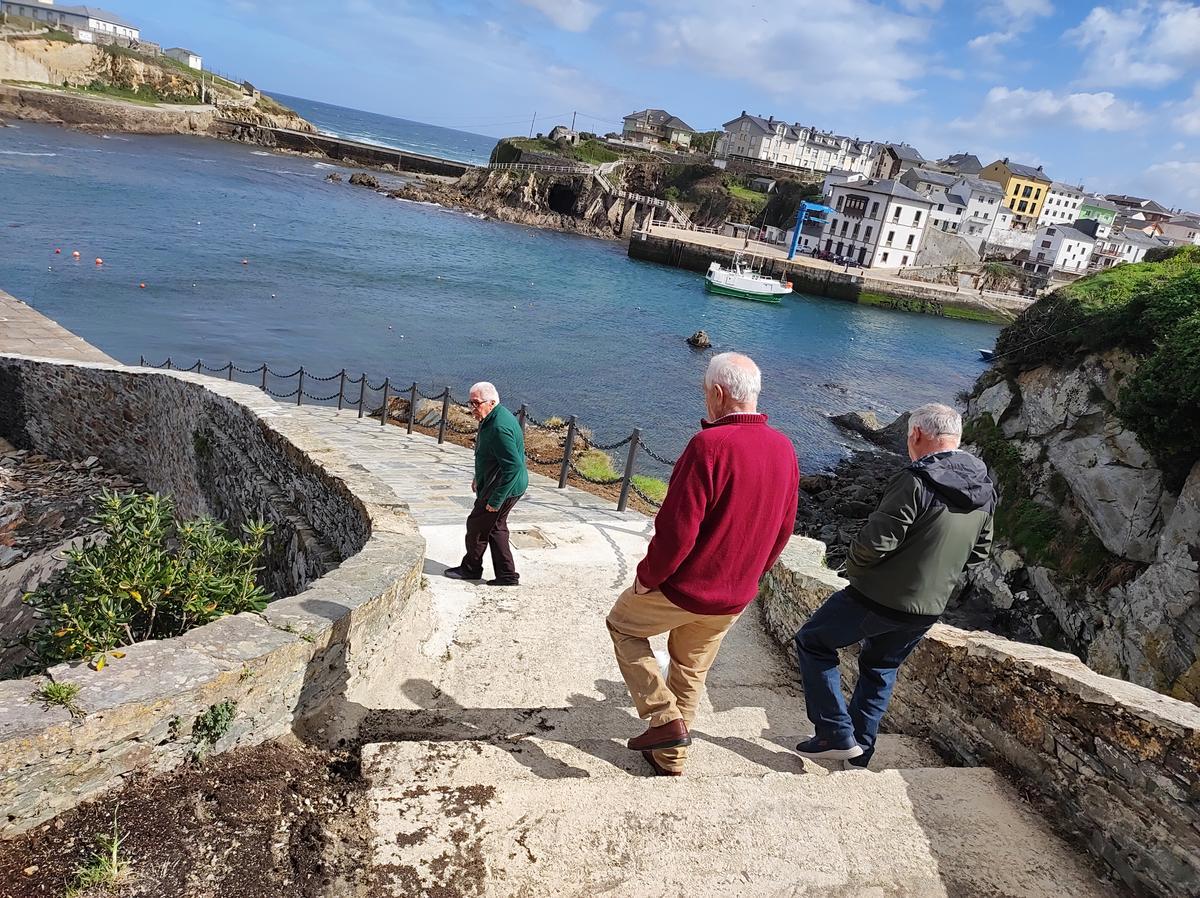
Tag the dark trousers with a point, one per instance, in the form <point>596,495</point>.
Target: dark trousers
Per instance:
<point>842,622</point>
<point>490,528</point>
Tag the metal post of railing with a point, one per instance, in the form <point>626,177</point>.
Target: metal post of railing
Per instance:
<point>230,371</point>
<point>384,411</point>
<point>341,389</point>
<point>412,405</point>
<point>362,393</point>
<point>445,415</point>
<point>300,386</point>
<point>141,361</point>
<point>264,377</point>
<point>196,367</point>
<point>628,478</point>
<point>521,413</point>
<point>567,449</point>
<point>168,365</point>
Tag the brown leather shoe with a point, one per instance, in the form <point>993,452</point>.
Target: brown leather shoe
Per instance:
<point>669,735</point>
<point>659,769</point>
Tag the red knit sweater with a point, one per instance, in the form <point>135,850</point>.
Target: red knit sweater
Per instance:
<point>727,516</point>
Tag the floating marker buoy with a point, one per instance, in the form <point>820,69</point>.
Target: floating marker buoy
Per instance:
<point>272,296</point>
<point>142,285</point>
<point>57,251</point>
<point>75,254</point>
<point>193,285</point>
<point>49,267</point>
<point>99,261</point>
<point>245,261</point>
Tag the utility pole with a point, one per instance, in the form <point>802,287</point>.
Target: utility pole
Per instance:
<point>531,123</point>
<point>573,114</point>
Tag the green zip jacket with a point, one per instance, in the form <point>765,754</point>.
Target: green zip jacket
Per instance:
<point>934,522</point>
<point>500,458</point>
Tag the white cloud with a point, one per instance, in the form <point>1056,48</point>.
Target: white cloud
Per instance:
<point>1005,11</point>
<point>1151,43</point>
<point>1185,115</point>
<point>569,15</point>
<point>1176,182</point>
<point>834,53</point>
<point>1018,109</point>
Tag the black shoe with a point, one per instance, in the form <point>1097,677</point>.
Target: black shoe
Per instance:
<point>499,582</point>
<point>821,749</point>
<point>459,573</point>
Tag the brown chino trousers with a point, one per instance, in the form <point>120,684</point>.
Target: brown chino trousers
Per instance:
<point>692,645</point>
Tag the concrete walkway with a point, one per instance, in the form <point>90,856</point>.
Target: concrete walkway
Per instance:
<point>27,332</point>
<point>495,751</point>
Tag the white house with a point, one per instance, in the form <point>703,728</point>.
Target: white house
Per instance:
<point>926,181</point>
<point>798,146</point>
<point>187,57</point>
<point>838,176</point>
<point>79,18</point>
<point>1061,248</point>
<point>984,201</point>
<point>878,224</point>
<point>1061,205</point>
<point>945,212</point>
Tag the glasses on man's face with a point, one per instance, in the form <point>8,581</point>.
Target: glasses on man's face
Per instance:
<point>478,403</point>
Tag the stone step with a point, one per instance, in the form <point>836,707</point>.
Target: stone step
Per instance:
<point>444,752</point>
<point>474,819</point>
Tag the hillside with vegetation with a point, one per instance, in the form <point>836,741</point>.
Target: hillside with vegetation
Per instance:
<point>1090,423</point>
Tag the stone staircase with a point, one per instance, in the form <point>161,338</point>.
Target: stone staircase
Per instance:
<point>494,743</point>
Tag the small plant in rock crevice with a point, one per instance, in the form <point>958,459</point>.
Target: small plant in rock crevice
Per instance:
<point>210,726</point>
<point>106,870</point>
<point>60,695</point>
<point>146,576</point>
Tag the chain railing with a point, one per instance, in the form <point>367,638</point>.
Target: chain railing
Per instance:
<point>353,395</point>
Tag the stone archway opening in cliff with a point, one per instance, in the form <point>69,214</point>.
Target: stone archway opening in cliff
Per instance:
<point>563,198</point>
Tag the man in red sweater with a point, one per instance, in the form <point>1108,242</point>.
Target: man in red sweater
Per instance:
<point>727,516</point>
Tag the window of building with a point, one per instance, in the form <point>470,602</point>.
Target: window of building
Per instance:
<point>1021,206</point>
<point>941,206</point>
<point>845,225</point>
<point>917,217</point>
<point>1037,194</point>
<point>854,233</point>
<point>910,242</point>
<point>867,233</point>
<point>883,258</point>
<point>896,217</point>
<point>1045,244</point>
<point>839,203</point>
<point>874,209</point>
<point>904,260</point>
<point>839,247</point>
<point>890,236</point>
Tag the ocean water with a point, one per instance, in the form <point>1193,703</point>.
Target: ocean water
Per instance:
<point>398,133</point>
<point>339,276</point>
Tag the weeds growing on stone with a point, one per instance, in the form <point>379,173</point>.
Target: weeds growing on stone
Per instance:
<point>210,726</point>
<point>108,868</point>
<point>61,695</point>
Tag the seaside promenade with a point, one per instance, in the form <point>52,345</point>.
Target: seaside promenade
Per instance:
<point>493,733</point>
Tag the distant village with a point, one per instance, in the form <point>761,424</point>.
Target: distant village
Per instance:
<point>893,208</point>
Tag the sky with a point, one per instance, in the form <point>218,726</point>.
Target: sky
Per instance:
<point>1102,94</point>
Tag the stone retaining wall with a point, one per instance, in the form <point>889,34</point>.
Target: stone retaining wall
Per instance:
<point>346,556</point>
<point>1118,764</point>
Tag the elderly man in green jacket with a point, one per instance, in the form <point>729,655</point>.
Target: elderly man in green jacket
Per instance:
<point>500,480</point>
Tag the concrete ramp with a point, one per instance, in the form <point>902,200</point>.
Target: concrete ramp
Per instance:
<point>470,818</point>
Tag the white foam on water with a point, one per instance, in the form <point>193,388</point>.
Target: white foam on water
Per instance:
<point>259,153</point>
<point>19,153</point>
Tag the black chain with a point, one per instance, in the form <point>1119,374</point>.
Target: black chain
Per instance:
<point>321,379</point>
<point>543,461</point>
<point>644,497</point>
<point>459,430</point>
<point>213,370</point>
<point>283,395</point>
<point>284,376</point>
<point>590,445</point>
<point>436,398</point>
<point>376,389</point>
<point>163,365</point>
<point>257,370</point>
<point>658,458</point>
<point>597,481</point>
<point>329,398</point>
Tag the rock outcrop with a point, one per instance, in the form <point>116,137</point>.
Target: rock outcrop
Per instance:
<point>699,340</point>
<point>1091,540</point>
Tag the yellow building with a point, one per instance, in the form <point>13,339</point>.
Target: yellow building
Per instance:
<point>1025,189</point>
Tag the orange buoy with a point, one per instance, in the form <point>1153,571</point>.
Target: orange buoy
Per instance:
<point>99,261</point>
<point>57,251</point>
<point>142,285</point>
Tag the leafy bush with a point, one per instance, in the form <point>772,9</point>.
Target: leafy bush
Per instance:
<point>147,576</point>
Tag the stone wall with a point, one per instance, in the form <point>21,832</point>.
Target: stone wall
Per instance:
<point>1116,765</point>
<point>346,556</point>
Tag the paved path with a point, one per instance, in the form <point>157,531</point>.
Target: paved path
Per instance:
<point>25,331</point>
<point>494,743</point>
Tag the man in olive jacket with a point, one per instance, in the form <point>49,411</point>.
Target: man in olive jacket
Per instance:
<point>500,480</point>
<point>933,522</point>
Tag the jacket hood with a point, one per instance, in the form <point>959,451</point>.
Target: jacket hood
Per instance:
<point>957,478</point>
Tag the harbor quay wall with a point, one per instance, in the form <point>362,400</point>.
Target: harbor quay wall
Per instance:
<point>1116,766</point>
<point>339,149</point>
<point>820,281</point>
<point>343,561</point>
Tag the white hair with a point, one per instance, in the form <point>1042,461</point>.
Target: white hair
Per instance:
<point>487,391</point>
<point>936,420</point>
<point>736,374</point>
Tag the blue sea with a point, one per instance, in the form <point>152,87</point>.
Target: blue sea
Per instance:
<point>339,276</point>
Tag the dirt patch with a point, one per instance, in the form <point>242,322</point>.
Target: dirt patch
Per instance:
<point>277,819</point>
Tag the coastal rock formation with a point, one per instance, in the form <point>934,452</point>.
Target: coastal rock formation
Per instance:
<point>699,340</point>
<point>362,179</point>
<point>1108,555</point>
<point>893,437</point>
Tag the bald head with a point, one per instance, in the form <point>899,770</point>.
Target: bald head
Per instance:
<point>731,384</point>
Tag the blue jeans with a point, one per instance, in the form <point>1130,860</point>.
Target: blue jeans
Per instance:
<point>841,622</point>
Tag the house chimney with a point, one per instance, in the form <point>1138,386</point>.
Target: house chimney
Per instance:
<point>1006,160</point>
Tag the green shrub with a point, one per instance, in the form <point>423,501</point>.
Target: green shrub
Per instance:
<point>146,576</point>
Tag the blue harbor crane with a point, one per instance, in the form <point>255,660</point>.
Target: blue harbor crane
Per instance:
<point>802,215</point>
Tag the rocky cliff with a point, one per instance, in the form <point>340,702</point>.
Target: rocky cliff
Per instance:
<point>1089,425</point>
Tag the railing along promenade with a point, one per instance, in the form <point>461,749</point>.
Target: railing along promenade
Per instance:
<point>354,393</point>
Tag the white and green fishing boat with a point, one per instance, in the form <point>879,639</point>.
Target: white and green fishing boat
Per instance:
<point>742,281</point>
